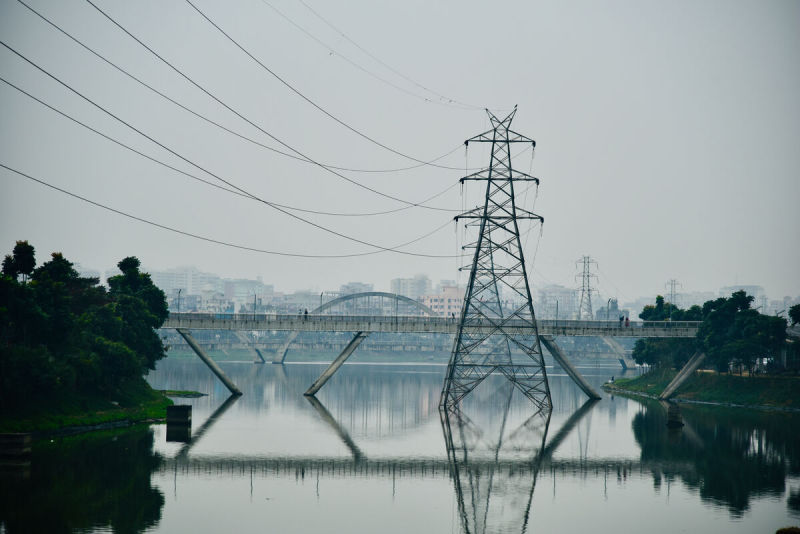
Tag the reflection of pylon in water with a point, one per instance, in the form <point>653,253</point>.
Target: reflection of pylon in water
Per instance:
<point>585,302</point>
<point>497,263</point>
<point>492,495</point>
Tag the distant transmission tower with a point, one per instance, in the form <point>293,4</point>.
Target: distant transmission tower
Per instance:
<point>671,285</point>
<point>586,277</point>
<point>487,330</point>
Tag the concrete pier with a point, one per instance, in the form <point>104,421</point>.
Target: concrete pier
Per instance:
<point>691,366</point>
<point>334,366</point>
<point>280,355</point>
<point>550,343</point>
<point>209,362</point>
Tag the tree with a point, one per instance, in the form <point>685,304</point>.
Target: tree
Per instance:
<point>143,307</point>
<point>730,333</point>
<point>62,334</point>
<point>733,333</point>
<point>24,258</point>
<point>794,314</point>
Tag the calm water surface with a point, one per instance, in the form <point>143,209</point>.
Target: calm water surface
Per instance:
<point>373,454</point>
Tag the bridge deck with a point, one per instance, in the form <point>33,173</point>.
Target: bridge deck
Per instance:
<point>410,324</point>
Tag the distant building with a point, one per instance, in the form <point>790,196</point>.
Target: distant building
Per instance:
<point>753,291</point>
<point>555,302</point>
<point>412,288</point>
<point>352,288</point>
<point>447,301</point>
<point>694,298</point>
<point>189,280</point>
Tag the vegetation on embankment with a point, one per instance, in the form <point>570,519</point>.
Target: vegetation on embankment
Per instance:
<point>731,334</point>
<point>132,402</point>
<point>773,391</point>
<point>73,352</point>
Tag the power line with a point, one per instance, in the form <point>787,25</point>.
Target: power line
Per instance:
<point>307,99</point>
<point>268,203</point>
<point>211,121</point>
<point>441,99</point>
<point>195,177</point>
<point>271,136</point>
<point>208,239</point>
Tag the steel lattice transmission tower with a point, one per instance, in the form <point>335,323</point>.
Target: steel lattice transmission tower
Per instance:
<point>585,302</point>
<point>497,263</point>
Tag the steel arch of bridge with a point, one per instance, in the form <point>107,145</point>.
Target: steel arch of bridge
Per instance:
<point>280,356</point>
<point>382,294</point>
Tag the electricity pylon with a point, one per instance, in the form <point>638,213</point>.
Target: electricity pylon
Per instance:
<point>498,262</point>
<point>585,302</point>
<point>671,285</point>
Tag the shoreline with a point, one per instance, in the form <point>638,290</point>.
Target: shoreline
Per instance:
<point>41,424</point>
<point>609,388</point>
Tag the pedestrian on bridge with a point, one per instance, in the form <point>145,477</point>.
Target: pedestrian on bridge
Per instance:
<point>627,322</point>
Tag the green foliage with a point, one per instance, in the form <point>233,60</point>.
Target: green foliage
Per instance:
<point>794,314</point>
<point>664,353</point>
<point>731,333</point>
<point>21,262</point>
<point>666,311</point>
<point>61,334</point>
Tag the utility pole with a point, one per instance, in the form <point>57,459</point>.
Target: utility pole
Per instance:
<point>586,277</point>
<point>179,299</point>
<point>671,285</point>
<point>497,260</point>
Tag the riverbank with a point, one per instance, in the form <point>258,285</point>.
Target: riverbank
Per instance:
<point>131,403</point>
<point>713,388</point>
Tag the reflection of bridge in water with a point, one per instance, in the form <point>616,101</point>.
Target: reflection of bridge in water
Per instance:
<point>361,465</point>
<point>494,474</point>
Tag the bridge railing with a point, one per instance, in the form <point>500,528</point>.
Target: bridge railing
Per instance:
<point>249,320</point>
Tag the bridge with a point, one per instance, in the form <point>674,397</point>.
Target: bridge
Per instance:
<point>385,317</point>
<point>421,324</point>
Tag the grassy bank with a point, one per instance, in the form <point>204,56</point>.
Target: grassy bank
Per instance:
<point>775,391</point>
<point>134,401</point>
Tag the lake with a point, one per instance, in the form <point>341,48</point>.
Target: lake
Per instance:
<point>372,453</point>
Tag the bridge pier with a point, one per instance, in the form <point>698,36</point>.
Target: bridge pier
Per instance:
<point>691,366</point>
<point>614,345</point>
<point>335,364</point>
<point>209,362</point>
<point>550,343</point>
<point>280,356</point>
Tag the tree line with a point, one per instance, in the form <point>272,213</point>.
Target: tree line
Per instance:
<point>62,334</point>
<point>731,333</point>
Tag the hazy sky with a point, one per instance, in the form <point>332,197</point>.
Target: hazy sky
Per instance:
<point>668,135</point>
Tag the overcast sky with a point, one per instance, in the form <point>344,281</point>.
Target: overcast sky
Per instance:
<point>668,136</point>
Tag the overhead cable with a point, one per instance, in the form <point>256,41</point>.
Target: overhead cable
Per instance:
<point>265,202</point>
<point>441,100</point>
<point>271,136</point>
<point>307,99</point>
<point>201,237</point>
<point>212,121</point>
<point>197,178</point>
<point>440,97</point>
